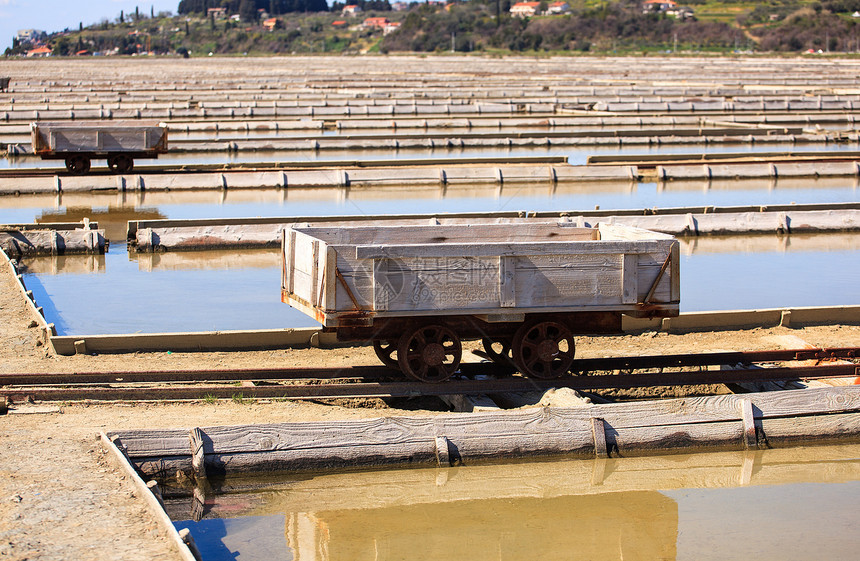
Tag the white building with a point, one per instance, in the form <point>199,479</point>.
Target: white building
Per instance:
<point>29,35</point>
<point>558,8</point>
<point>524,9</point>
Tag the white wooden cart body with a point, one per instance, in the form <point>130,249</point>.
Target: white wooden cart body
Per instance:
<point>341,275</point>
<point>117,141</point>
<point>417,290</point>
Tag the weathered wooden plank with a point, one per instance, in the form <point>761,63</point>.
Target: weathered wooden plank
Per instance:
<point>288,247</point>
<point>629,233</point>
<point>545,421</point>
<point>451,234</point>
<point>303,252</point>
<point>495,249</point>
<point>302,283</point>
<point>329,290</point>
<point>382,289</point>
<point>648,274</point>
<point>442,284</point>
<point>675,269</point>
<point>673,438</point>
<point>507,281</point>
<point>748,418</point>
<point>578,444</point>
<point>598,430</point>
<point>196,440</point>
<point>593,262</point>
<point>557,281</point>
<point>315,273</point>
<point>442,452</point>
<point>630,279</point>
<point>811,429</point>
<point>362,290</point>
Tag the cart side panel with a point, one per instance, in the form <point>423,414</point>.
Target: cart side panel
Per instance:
<point>339,282</point>
<point>568,280</point>
<point>354,289</point>
<point>448,284</point>
<point>66,138</point>
<point>37,139</point>
<point>303,276</point>
<point>436,284</point>
<point>648,269</point>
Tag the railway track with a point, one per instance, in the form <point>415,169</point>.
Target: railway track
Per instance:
<point>474,378</point>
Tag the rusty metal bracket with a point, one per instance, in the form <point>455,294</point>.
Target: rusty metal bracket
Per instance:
<point>348,290</point>
<point>665,266</point>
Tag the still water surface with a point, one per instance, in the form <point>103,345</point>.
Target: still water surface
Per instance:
<point>130,293</point>
<point>786,505</point>
<point>217,290</point>
<point>576,155</point>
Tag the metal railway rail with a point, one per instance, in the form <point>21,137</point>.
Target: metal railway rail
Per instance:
<point>378,381</point>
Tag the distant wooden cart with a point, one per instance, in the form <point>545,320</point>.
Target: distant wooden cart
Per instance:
<point>524,289</point>
<point>119,142</point>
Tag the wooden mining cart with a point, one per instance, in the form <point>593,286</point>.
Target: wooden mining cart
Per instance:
<point>524,289</point>
<point>119,142</point>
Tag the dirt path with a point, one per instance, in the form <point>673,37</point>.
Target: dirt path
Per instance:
<point>61,499</point>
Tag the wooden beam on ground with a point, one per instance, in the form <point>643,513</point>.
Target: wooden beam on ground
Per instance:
<point>640,428</point>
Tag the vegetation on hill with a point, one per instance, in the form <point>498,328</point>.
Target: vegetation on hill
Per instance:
<point>620,26</point>
<point>616,27</point>
<point>248,9</point>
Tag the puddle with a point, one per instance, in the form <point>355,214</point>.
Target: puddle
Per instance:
<point>203,291</point>
<point>225,290</point>
<point>113,210</point>
<point>789,504</point>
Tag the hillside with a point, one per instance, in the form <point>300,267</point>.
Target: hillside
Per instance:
<point>474,26</point>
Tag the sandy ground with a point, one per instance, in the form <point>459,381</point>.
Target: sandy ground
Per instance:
<point>60,497</point>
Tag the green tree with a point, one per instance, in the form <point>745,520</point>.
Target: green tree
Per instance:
<point>248,10</point>
<point>62,47</point>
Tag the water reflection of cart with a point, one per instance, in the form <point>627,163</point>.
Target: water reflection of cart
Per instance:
<point>620,508</point>
<point>524,289</point>
<point>632,525</point>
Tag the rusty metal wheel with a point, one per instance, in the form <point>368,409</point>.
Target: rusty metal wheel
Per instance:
<point>78,165</point>
<point>430,353</point>
<point>498,350</point>
<point>543,349</point>
<point>120,163</point>
<point>385,350</point>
